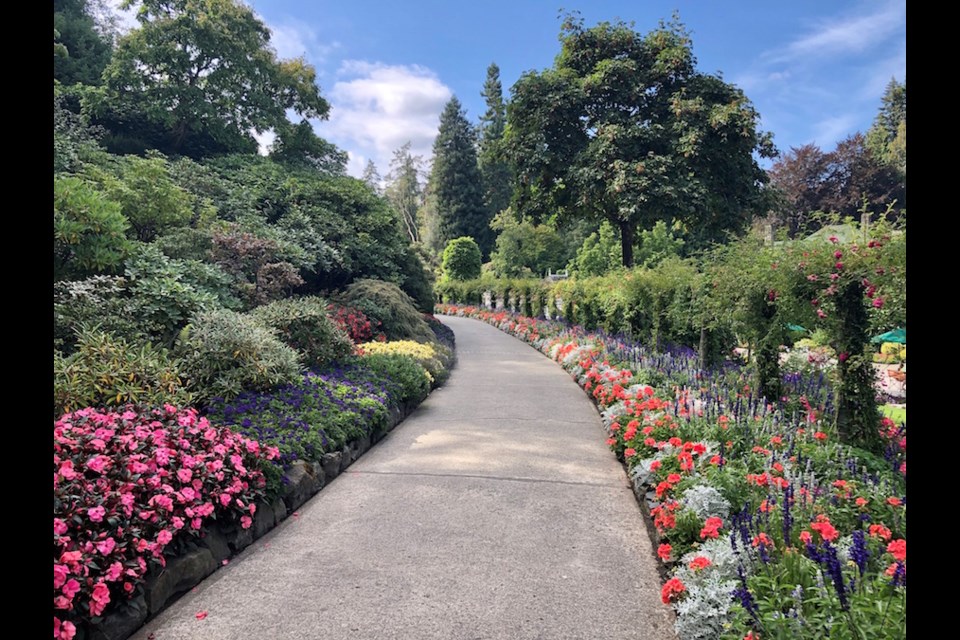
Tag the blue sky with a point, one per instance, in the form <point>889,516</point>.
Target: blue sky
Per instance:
<point>815,70</point>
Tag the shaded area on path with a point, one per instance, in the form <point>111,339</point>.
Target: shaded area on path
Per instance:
<point>494,511</point>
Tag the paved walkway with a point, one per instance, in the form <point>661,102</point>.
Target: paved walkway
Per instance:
<point>494,511</point>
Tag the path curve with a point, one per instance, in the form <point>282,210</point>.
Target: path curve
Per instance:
<point>495,511</point>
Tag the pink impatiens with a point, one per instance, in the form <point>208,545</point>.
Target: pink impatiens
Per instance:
<point>126,484</point>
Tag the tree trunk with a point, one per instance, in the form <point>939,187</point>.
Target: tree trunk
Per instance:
<point>626,243</point>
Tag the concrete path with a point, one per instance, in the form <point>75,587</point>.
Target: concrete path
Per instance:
<point>494,511</point>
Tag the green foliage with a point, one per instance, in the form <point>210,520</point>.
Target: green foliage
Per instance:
<point>74,140</point>
<point>198,76</point>
<point>401,369</point>
<point>417,280</point>
<point>89,231</point>
<point>107,370</point>
<point>303,324</point>
<point>456,183</point>
<point>624,128</point>
<point>887,137</point>
<point>165,293</point>
<point>223,353</point>
<point>148,197</point>
<point>599,254</point>
<point>99,302</point>
<point>461,259</point>
<point>385,303</point>
<point>494,169</point>
<point>525,249</point>
<point>86,48</point>
<point>298,145</point>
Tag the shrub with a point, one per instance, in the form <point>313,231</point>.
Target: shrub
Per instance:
<point>353,322</point>
<point>224,353</point>
<point>303,324</point>
<point>95,302</point>
<point>385,303</point>
<point>434,358</point>
<point>107,370</point>
<point>89,232</point>
<point>164,293</point>
<point>128,490</point>
<point>462,259</point>
<point>413,379</point>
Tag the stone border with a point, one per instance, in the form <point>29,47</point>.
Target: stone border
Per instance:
<point>221,541</point>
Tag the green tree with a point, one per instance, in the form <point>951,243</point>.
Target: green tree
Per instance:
<point>493,165</point>
<point>461,259</point>
<point>298,145</point>
<point>525,248</point>
<point>456,182</point>
<point>624,128</point>
<point>198,77</point>
<point>371,177</point>
<point>86,45</point>
<point>887,137</point>
<point>403,189</point>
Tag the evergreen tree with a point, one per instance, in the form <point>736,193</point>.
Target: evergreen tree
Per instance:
<point>372,177</point>
<point>493,165</point>
<point>87,46</point>
<point>456,182</point>
<point>887,138</point>
<point>403,189</point>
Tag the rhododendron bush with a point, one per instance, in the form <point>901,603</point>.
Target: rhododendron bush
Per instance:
<point>770,526</point>
<point>129,486</point>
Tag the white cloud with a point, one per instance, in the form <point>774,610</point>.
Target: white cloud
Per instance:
<point>376,108</point>
<point>852,34</point>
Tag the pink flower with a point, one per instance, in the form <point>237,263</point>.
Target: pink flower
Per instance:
<point>60,573</point>
<point>184,475</point>
<point>99,599</point>
<point>177,522</point>
<point>821,314</point>
<point>63,602</point>
<point>114,572</point>
<point>59,527</point>
<point>246,522</point>
<point>201,615</point>
<point>107,546</point>
<point>878,302</point>
<point>834,239</point>
<point>63,631</point>
<point>629,453</point>
<point>66,470</point>
<point>71,588</point>
<point>96,513</point>
<point>164,537</point>
<point>98,463</point>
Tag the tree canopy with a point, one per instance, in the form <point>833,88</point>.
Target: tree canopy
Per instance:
<point>624,128</point>
<point>198,77</point>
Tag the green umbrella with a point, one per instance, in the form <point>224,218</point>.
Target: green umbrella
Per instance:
<point>896,335</point>
<point>795,327</point>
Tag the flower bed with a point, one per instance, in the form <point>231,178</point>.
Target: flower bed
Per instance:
<point>133,486</point>
<point>766,524</point>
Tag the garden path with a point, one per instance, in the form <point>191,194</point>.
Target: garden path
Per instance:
<point>494,511</point>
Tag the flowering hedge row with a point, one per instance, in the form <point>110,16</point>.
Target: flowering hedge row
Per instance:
<point>130,487</point>
<point>768,525</point>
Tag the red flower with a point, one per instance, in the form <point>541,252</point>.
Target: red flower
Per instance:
<point>711,528</point>
<point>880,531</point>
<point>825,529</point>
<point>894,501</point>
<point>671,590</point>
<point>898,548</point>
<point>700,562</point>
<point>805,537</point>
<point>663,552</point>
<point>629,453</point>
<point>820,435</point>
